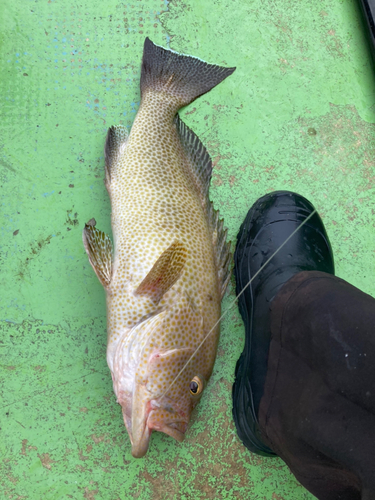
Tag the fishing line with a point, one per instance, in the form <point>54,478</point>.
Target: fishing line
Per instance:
<point>236,298</point>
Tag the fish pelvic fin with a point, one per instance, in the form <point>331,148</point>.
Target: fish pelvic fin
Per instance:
<point>115,143</point>
<point>98,247</point>
<point>184,77</point>
<point>164,273</point>
<point>222,248</point>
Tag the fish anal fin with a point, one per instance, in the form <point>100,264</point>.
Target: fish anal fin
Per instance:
<point>222,248</point>
<point>164,273</point>
<point>115,143</point>
<point>98,247</point>
<point>199,160</point>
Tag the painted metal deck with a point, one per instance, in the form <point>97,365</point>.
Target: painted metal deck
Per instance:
<point>298,114</point>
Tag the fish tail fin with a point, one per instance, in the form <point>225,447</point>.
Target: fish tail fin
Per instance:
<point>184,77</point>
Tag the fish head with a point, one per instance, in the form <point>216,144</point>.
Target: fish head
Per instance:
<point>169,378</point>
<point>164,401</point>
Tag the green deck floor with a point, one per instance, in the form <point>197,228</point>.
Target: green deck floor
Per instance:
<point>298,114</point>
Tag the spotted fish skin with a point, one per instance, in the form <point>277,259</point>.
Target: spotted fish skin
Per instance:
<point>168,271</point>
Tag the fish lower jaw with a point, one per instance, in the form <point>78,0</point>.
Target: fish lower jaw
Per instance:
<point>139,435</point>
<point>140,440</point>
<point>139,449</point>
<point>175,429</point>
<point>171,431</point>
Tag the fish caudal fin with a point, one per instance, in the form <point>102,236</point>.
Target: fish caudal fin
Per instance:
<point>182,76</point>
<point>98,247</point>
<point>164,273</point>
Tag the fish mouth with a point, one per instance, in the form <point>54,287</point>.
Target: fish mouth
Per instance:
<point>140,439</point>
<point>140,446</point>
<point>139,434</point>
<point>137,423</point>
<point>174,429</point>
<point>141,423</point>
<point>175,426</point>
<point>143,414</point>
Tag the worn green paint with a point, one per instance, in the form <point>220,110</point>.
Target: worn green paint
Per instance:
<point>298,114</point>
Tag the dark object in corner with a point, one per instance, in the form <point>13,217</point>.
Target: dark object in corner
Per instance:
<point>368,10</point>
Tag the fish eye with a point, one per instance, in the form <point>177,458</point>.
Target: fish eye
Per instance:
<point>196,386</point>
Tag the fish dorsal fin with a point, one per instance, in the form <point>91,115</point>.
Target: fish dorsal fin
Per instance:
<point>164,273</point>
<point>117,136</point>
<point>98,247</point>
<point>199,159</point>
<point>221,247</point>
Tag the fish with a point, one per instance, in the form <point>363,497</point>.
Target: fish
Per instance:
<point>170,263</point>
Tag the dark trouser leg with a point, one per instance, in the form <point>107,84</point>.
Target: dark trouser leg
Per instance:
<point>318,408</point>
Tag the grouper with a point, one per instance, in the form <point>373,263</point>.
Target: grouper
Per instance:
<point>169,265</point>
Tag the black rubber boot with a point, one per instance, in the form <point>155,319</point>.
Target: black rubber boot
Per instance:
<point>270,221</point>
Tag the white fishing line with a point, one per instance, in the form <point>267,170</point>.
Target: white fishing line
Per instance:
<point>236,298</point>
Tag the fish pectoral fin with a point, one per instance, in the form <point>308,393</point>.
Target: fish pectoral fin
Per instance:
<point>98,247</point>
<point>164,273</point>
<point>115,143</point>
